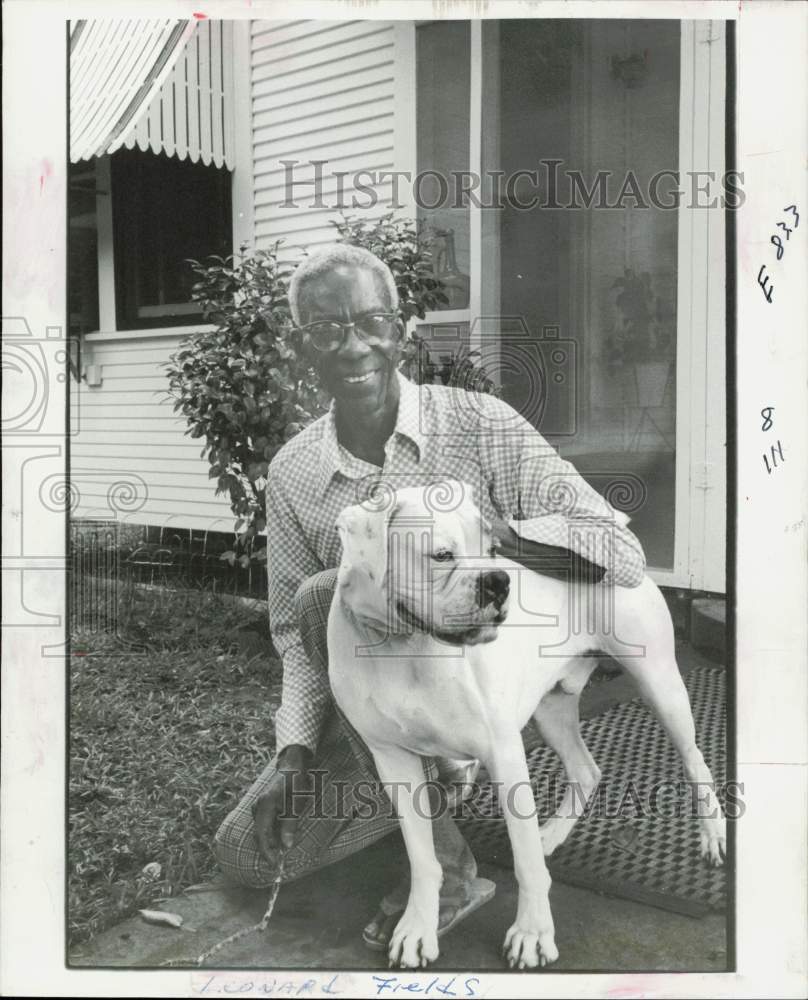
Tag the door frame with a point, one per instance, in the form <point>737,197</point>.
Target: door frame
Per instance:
<point>700,529</point>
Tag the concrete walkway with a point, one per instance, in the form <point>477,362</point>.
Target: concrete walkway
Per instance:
<point>318,922</point>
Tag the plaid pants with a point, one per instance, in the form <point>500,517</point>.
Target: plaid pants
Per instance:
<point>347,809</point>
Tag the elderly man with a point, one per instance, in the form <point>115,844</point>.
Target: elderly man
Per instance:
<point>318,801</point>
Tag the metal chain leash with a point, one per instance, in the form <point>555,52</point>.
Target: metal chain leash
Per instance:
<point>237,935</point>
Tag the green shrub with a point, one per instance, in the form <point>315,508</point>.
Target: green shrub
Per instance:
<point>241,386</point>
<point>406,252</point>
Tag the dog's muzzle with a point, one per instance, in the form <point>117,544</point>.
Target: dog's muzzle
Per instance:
<point>493,588</point>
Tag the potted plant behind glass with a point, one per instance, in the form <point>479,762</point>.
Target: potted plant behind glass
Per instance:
<point>642,342</point>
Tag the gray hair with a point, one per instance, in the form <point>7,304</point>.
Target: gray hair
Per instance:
<point>339,254</point>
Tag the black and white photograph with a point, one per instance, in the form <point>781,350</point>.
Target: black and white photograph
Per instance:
<point>401,484</point>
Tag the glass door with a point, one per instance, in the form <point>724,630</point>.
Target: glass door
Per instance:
<point>580,119</point>
<point>595,292</point>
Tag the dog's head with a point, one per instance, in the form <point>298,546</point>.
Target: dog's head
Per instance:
<point>424,562</point>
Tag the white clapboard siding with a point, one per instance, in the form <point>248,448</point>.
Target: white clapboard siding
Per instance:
<point>310,96</point>
<point>310,100</point>
<point>125,431</point>
<point>272,34</point>
<point>310,127</point>
<point>321,90</point>
<point>320,55</point>
<point>162,449</point>
<point>120,378</point>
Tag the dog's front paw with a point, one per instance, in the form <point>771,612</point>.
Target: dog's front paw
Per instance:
<point>713,836</point>
<point>528,948</point>
<point>414,943</point>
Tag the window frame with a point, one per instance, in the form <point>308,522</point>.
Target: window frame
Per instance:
<point>108,328</point>
<point>141,182</point>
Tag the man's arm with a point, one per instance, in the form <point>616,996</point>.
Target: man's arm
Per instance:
<point>546,501</point>
<point>306,693</point>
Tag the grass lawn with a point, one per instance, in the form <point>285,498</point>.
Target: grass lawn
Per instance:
<point>169,723</point>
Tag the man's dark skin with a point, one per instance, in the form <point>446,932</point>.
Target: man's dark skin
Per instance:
<point>365,414</point>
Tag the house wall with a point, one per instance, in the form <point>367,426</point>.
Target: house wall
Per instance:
<point>130,459</point>
<point>129,456</point>
<point>343,92</point>
<point>321,90</point>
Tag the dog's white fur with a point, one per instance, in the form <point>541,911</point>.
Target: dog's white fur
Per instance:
<point>420,669</point>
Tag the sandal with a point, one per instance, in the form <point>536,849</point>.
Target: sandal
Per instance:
<point>377,933</point>
<point>458,778</point>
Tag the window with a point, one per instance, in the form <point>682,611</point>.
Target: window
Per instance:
<point>443,108</point>
<point>597,288</point>
<point>164,212</point>
<point>82,254</point>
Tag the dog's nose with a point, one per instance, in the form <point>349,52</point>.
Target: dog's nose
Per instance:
<point>494,588</point>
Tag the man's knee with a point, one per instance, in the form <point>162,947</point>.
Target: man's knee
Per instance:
<point>236,851</point>
<point>312,604</point>
<point>313,597</point>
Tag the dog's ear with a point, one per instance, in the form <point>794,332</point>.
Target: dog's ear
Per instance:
<point>364,538</point>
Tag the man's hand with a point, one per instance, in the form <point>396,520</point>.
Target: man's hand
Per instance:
<point>275,812</point>
<point>505,538</point>
<point>549,560</point>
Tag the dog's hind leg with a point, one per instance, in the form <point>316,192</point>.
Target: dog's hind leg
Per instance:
<point>414,942</point>
<point>657,676</point>
<point>559,725</point>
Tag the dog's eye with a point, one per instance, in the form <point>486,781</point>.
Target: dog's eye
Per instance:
<point>442,555</point>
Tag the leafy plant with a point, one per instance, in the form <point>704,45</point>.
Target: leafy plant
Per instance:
<point>408,254</point>
<point>241,386</point>
<point>461,369</point>
<point>245,389</point>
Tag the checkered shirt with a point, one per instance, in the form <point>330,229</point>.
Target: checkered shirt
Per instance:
<point>441,432</point>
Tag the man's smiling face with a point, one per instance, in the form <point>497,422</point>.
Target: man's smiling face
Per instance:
<point>358,375</point>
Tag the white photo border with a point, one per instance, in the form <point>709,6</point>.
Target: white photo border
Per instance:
<point>771,927</point>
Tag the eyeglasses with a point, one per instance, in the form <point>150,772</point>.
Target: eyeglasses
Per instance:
<point>329,335</point>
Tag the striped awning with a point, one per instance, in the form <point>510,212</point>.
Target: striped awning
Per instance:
<point>158,85</point>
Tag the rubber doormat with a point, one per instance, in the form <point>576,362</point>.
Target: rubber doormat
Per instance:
<point>620,846</point>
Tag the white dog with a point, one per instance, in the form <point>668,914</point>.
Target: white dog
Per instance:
<point>429,655</point>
